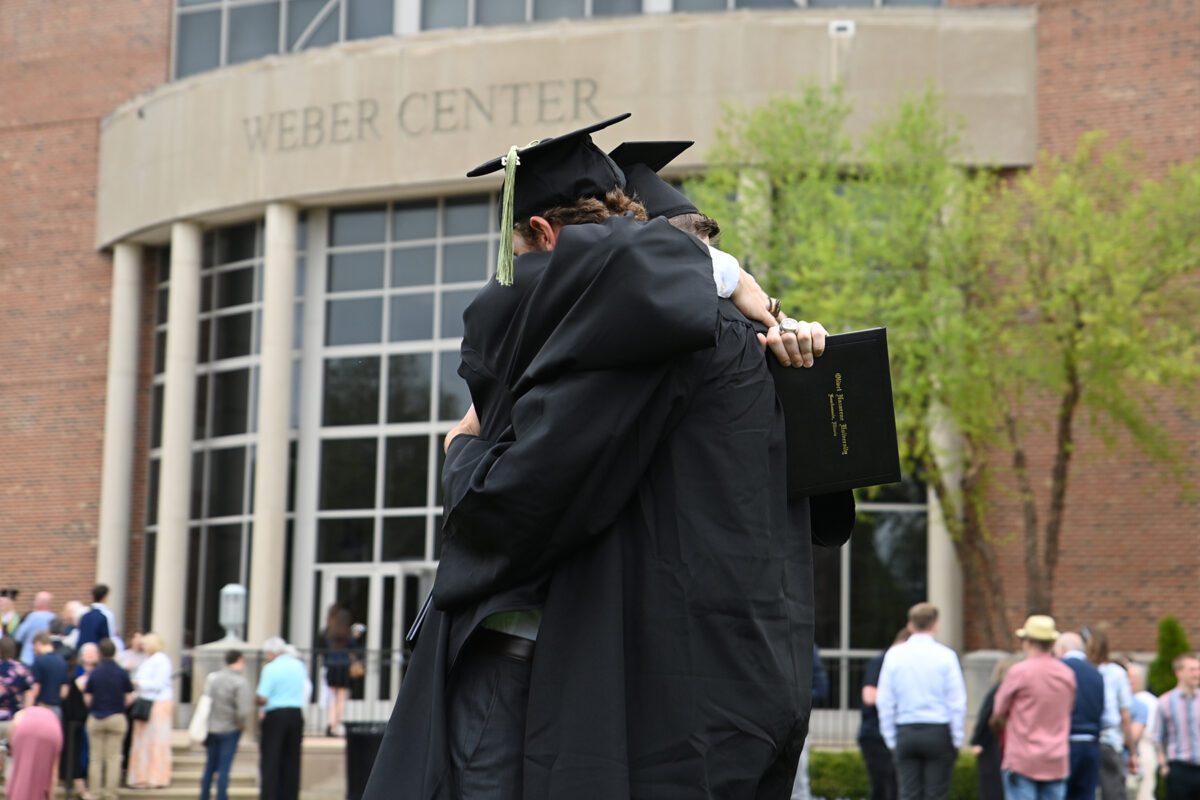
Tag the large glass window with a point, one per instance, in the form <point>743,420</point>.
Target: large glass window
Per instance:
<point>216,33</point>
<point>224,419</point>
<point>863,591</point>
<point>461,13</point>
<point>398,278</point>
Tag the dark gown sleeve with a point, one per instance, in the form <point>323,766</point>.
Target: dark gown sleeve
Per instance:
<point>570,462</point>
<point>983,736</point>
<point>620,306</point>
<point>832,518</point>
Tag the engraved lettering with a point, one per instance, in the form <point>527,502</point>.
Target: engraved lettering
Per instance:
<point>472,99</point>
<point>550,97</point>
<point>442,111</point>
<point>288,129</point>
<point>585,93</point>
<point>314,126</point>
<point>368,109</point>
<point>340,121</point>
<point>832,416</point>
<point>258,131</point>
<point>406,120</point>
<point>516,89</point>
<point>358,119</point>
<point>845,443</point>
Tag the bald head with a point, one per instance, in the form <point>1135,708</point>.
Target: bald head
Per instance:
<point>42,601</point>
<point>89,655</point>
<point>1068,641</point>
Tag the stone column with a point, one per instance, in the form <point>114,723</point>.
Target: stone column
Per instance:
<point>274,401</point>
<point>945,573</point>
<point>945,578</point>
<point>175,471</point>
<point>120,414</point>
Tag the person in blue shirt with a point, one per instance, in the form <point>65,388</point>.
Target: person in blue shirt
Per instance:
<point>36,622</point>
<point>283,689</point>
<point>1085,718</point>
<point>97,623</point>
<point>108,691</point>
<point>49,673</point>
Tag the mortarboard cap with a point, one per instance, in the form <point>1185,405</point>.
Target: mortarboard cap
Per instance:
<point>546,173</point>
<point>641,161</point>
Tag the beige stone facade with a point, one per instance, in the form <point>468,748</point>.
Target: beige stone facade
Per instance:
<point>406,116</point>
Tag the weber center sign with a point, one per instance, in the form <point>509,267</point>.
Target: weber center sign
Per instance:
<point>495,107</point>
<point>406,116</point>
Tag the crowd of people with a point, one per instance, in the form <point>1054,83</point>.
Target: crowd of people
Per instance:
<point>80,705</point>
<point>1064,718</point>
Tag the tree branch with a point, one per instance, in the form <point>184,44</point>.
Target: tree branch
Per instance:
<point>1033,565</point>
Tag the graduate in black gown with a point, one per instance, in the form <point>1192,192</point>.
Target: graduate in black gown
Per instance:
<point>831,515</point>
<point>627,481</point>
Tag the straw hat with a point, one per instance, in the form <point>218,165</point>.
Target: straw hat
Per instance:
<point>1040,628</point>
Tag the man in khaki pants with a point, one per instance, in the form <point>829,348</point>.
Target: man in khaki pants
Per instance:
<point>107,692</point>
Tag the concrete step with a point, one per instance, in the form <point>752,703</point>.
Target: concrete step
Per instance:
<point>187,777</point>
<point>189,792</point>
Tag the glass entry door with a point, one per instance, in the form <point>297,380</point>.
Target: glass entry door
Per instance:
<point>382,600</point>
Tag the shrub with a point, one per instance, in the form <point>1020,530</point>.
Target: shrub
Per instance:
<point>1172,642</point>
<point>843,776</point>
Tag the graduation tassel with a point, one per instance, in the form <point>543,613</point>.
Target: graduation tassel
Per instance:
<point>504,259</point>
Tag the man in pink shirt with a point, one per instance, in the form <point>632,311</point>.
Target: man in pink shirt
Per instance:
<point>1034,704</point>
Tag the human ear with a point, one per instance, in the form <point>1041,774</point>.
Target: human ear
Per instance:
<point>545,230</point>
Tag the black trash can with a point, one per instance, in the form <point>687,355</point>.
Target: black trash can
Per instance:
<point>362,743</point>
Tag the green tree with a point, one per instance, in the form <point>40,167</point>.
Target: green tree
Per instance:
<point>1172,643</point>
<point>993,291</point>
<point>1099,265</point>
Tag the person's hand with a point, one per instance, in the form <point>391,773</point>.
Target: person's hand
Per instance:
<point>977,749</point>
<point>1133,763</point>
<point>803,346</point>
<point>1163,769</point>
<point>757,306</point>
<point>468,425</point>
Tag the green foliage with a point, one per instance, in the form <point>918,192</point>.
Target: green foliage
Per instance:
<point>885,232</point>
<point>843,776</point>
<point>1075,281</point>
<point>838,775</point>
<point>1172,642</point>
<point>1099,264</point>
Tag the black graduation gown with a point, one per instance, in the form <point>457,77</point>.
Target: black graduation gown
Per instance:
<point>637,501</point>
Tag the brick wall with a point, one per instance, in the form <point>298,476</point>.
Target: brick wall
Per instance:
<point>1129,550</point>
<point>1129,67</point>
<point>63,65</point>
<point>1129,545</point>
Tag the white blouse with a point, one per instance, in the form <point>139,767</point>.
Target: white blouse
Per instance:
<point>153,678</point>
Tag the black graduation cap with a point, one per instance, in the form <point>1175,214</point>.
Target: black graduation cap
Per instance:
<point>546,173</point>
<point>641,161</point>
<point>559,170</point>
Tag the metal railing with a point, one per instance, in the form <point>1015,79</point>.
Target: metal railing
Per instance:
<point>371,695</point>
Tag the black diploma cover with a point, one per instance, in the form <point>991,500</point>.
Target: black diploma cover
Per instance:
<point>841,423</point>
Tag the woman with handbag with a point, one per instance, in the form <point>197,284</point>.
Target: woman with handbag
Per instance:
<point>150,752</point>
<point>339,664</point>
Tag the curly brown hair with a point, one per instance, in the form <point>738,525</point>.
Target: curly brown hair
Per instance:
<point>584,211</point>
<point>699,225</point>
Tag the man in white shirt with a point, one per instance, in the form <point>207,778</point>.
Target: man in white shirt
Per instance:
<point>922,704</point>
